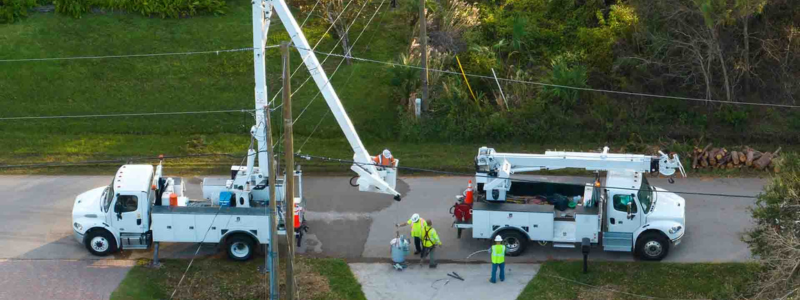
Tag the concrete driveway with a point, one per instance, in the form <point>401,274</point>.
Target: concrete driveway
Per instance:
<point>35,228</point>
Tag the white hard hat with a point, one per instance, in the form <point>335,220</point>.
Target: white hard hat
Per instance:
<point>498,238</point>
<point>386,153</point>
<point>414,217</point>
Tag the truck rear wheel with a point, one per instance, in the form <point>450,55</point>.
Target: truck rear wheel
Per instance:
<point>514,241</point>
<point>100,243</point>
<point>239,247</point>
<point>652,246</point>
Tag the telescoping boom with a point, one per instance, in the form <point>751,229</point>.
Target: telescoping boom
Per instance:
<point>371,178</point>
<point>494,169</point>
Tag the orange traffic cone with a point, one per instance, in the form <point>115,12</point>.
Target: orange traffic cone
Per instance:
<point>468,198</point>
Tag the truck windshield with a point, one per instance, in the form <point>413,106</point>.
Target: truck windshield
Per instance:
<point>645,194</point>
<point>109,195</point>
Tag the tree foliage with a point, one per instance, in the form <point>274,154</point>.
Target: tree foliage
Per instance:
<point>775,239</point>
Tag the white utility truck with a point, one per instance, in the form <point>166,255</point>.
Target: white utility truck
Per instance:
<point>619,209</point>
<point>141,206</point>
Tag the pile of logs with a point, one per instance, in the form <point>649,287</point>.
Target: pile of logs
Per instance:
<point>721,158</point>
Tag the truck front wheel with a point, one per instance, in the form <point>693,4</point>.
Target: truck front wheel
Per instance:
<point>240,248</point>
<point>652,246</point>
<point>100,243</point>
<point>514,241</point>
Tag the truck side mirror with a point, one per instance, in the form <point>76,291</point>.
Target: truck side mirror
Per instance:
<point>630,214</point>
<point>118,209</point>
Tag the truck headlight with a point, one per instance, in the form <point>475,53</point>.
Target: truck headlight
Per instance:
<point>78,226</point>
<point>675,229</point>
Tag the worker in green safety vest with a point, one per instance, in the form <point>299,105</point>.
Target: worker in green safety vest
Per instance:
<point>498,251</point>
<point>429,242</point>
<point>418,227</point>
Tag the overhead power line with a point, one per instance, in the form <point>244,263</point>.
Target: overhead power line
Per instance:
<point>133,55</point>
<point>110,161</point>
<point>352,72</point>
<point>558,85</point>
<point>348,51</point>
<point>341,161</point>
<point>128,114</point>
<point>334,71</point>
<point>450,173</point>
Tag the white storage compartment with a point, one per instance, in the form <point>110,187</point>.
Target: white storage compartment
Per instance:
<point>184,228</point>
<point>541,226</point>
<point>481,227</point>
<point>587,227</point>
<point>564,231</point>
<point>162,228</point>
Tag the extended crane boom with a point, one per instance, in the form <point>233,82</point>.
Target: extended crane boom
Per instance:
<point>371,178</point>
<point>494,169</point>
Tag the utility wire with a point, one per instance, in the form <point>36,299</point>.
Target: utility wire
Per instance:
<point>561,86</point>
<point>347,161</point>
<point>109,161</point>
<point>346,32</point>
<point>128,114</point>
<point>327,112</point>
<point>134,55</point>
<point>451,173</point>
<point>309,14</point>
<point>334,71</point>
<point>313,48</point>
<point>348,51</point>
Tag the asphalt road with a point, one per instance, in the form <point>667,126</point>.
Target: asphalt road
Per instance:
<point>35,226</point>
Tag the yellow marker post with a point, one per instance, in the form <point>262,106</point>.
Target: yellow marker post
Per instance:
<point>465,79</point>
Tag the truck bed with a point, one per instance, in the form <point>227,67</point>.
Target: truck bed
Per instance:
<point>539,208</point>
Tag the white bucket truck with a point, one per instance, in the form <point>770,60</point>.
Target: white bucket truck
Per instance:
<point>618,210</point>
<point>135,209</point>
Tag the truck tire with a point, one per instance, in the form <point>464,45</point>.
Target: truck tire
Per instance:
<point>514,241</point>
<point>652,246</point>
<point>100,242</point>
<point>240,247</point>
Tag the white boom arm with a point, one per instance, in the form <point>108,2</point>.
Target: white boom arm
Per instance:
<point>370,177</point>
<point>494,169</point>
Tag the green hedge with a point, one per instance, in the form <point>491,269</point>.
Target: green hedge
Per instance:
<point>12,10</point>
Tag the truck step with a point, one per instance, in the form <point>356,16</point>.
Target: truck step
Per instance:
<point>136,247</point>
<point>563,245</point>
<point>617,241</point>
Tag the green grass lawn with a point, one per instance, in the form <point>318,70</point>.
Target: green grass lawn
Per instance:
<point>219,278</point>
<point>621,280</point>
<point>176,83</point>
<point>201,82</point>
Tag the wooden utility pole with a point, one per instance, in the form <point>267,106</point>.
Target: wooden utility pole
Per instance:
<point>423,42</point>
<point>272,257</point>
<point>288,185</point>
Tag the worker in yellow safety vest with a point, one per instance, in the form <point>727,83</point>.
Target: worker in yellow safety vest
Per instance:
<point>498,251</point>
<point>429,242</point>
<point>385,159</point>
<point>418,227</point>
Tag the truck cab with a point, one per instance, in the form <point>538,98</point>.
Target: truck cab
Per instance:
<point>117,215</point>
<point>641,217</point>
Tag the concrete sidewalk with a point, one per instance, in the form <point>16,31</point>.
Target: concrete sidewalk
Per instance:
<point>380,281</point>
